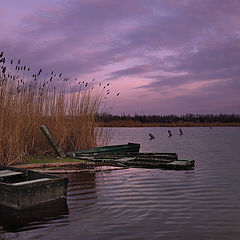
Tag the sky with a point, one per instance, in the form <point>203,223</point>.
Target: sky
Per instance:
<point>162,56</point>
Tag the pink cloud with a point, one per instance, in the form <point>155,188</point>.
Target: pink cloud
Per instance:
<point>123,41</point>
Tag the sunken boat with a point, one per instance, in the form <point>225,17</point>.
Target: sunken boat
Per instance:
<point>20,189</point>
<point>139,160</point>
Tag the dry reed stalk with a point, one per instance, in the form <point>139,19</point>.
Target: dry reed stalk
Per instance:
<point>26,104</point>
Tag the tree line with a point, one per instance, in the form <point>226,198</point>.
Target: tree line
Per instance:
<point>196,118</point>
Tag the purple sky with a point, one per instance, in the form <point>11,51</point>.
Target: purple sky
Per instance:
<point>163,56</point>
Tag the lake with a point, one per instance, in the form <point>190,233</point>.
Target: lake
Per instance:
<point>203,203</point>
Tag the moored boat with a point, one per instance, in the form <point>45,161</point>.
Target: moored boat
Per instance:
<point>21,188</point>
<point>140,160</point>
<point>130,147</point>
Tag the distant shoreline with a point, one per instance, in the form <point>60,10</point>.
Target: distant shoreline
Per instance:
<point>176,124</point>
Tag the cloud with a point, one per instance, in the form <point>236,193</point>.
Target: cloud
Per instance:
<point>171,44</point>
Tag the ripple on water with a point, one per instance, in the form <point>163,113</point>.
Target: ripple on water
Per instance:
<point>203,203</point>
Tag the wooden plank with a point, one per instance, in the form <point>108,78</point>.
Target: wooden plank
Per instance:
<point>31,181</point>
<point>52,141</point>
<point>182,163</point>
<point>179,162</point>
<point>130,147</point>
<point>8,173</point>
<point>47,165</point>
<point>95,156</point>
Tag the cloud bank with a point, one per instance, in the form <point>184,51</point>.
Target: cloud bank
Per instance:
<point>163,56</point>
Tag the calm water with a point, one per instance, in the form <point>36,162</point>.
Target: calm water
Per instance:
<point>203,203</point>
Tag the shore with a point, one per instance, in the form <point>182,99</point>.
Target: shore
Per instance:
<point>55,165</point>
<point>175,124</point>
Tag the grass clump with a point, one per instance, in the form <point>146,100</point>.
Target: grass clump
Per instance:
<point>28,101</point>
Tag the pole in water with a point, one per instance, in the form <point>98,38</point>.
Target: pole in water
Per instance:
<point>180,130</point>
<point>169,133</point>
<point>151,136</point>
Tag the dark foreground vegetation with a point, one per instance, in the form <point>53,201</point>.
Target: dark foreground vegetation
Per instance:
<point>190,120</point>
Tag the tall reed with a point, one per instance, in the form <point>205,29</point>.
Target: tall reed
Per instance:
<point>28,102</point>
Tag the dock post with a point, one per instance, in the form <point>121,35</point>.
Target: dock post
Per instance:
<point>151,136</point>
<point>52,141</point>
<point>169,133</point>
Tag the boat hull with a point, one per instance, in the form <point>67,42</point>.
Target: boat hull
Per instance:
<point>140,160</point>
<point>130,147</point>
<point>29,188</point>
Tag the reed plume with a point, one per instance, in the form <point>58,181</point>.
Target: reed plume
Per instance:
<point>27,102</point>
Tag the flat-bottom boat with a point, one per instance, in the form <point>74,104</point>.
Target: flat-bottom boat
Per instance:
<point>21,188</point>
<point>130,147</point>
<point>140,160</point>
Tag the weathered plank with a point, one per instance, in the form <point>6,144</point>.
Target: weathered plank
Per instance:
<point>142,160</point>
<point>87,156</point>
<point>31,181</point>
<point>52,141</point>
<point>8,173</point>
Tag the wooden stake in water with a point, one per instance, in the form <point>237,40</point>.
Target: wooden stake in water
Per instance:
<point>169,133</point>
<point>52,141</point>
<point>151,136</point>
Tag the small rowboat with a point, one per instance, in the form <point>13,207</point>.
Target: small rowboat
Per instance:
<point>130,147</point>
<point>21,188</point>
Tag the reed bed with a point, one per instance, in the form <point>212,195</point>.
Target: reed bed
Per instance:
<point>28,101</point>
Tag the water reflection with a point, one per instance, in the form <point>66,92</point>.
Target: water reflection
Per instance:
<point>16,221</point>
<point>153,203</point>
<point>81,189</point>
<point>81,193</point>
<point>7,236</point>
